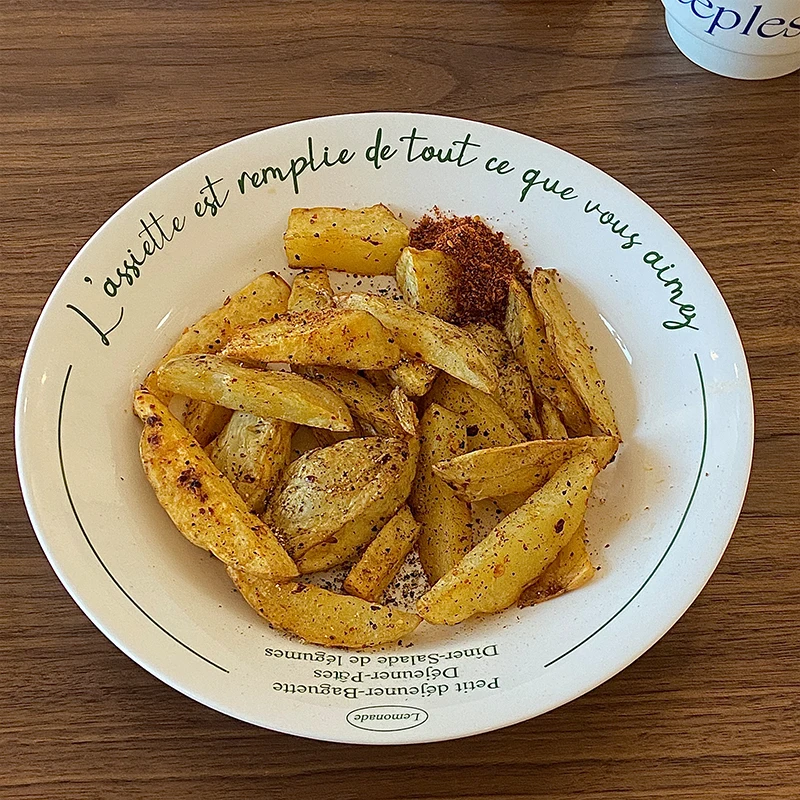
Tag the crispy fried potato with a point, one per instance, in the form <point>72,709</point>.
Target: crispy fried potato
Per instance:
<point>552,426</point>
<point>572,351</point>
<point>413,376</point>
<point>323,617</point>
<point>405,411</point>
<point>526,333</point>
<point>514,391</point>
<point>265,393</point>
<point>487,424</point>
<point>362,398</point>
<point>251,452</point>
<point>518,469</point>
<point>376,569</point>
<point>571,569</point>
<point>326,438</point>
<point>429,281</point>
<point>311,291</point>
<point>493,574</point>
<point>205,421</point>
<point>200,500</point>
<point>334,337</point>
<point>446,521</point>
<point>366,241</point>
<point>429,338</point>
<point>325,489</point>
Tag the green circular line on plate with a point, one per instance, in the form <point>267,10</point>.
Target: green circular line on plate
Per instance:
<point>89,541</point>
<point>675,535</point>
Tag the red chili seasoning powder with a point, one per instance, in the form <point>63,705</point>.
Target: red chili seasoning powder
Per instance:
<point>487,263</point>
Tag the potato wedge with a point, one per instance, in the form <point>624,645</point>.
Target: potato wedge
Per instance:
<point>265,393</point>
<point>379,564</point>
<point>446,521</point>
<point>325,489</point>
<point>326,438</point>
<point>262,298</point>
<point>526,333</point>
<point>405,411</point>
<point>311,291</point>
<point>429,338</point>
<point>572,351</point>
<point>205,421</point>
<point>520,468</point>
<point>366,241</point>
<point>552,426</point>
<point>514,391</point>
<point>493,574</point>
<point>571,569</point>
<point>429,281</point>
<point>323,617</point>
<point>361,397</point>
<point>200,500</point>
<point>413,376</point>
<point>487,424</point>
<point>334,337</point>
<point>251,452</point>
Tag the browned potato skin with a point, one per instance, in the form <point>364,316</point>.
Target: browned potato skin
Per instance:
<point>379,564</point>
<point>572,351</point>
<point>205,421</point>
<point>311,290</point>
<point>493,574</point>
<point>520,469</point>
<point>200,500</point>
<point>525,330</point>
<point>446,521</point>
<point>323,617</point>
<point>366,241</point>
<point>333,337</point>
<point>251,452</point>
<point>429,280</point>
<point>264,393</point>
<point>571,569</point>
<point>487,424</point>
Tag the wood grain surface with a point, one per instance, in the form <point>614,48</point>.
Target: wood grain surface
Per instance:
<point>97,99</point>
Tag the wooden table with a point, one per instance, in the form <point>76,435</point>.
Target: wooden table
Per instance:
<point>97,99</point>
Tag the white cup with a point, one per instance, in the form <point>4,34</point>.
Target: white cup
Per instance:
<point>737,38</point>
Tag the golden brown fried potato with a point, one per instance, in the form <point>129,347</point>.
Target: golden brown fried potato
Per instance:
<point>326,438</point>
<point>518,469</point>
<point>366,241</point>
<point>376,569</point>
<point>552,426</point>
<point>200,500</point>
<point>429,338</point>
<point>429,281</point>
<point>323,617</point>
<point>205,421</point>
<point>251,452</point>
<point>487,424</point>
<point>413,376</point>
<point>334,337</point>
<point>526,333</point>
<point>362,398</point>
<point>446,521</point>
<point>572,351</point>
<point>571,569</point>
<point>514,391</point>
<point>265,393</point>
<point>405,411</point>
<point>311,291</point>
<point>493,574</point>
<point>325,489</point>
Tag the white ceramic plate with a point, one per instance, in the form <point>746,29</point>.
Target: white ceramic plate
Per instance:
<point>661,520</point>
